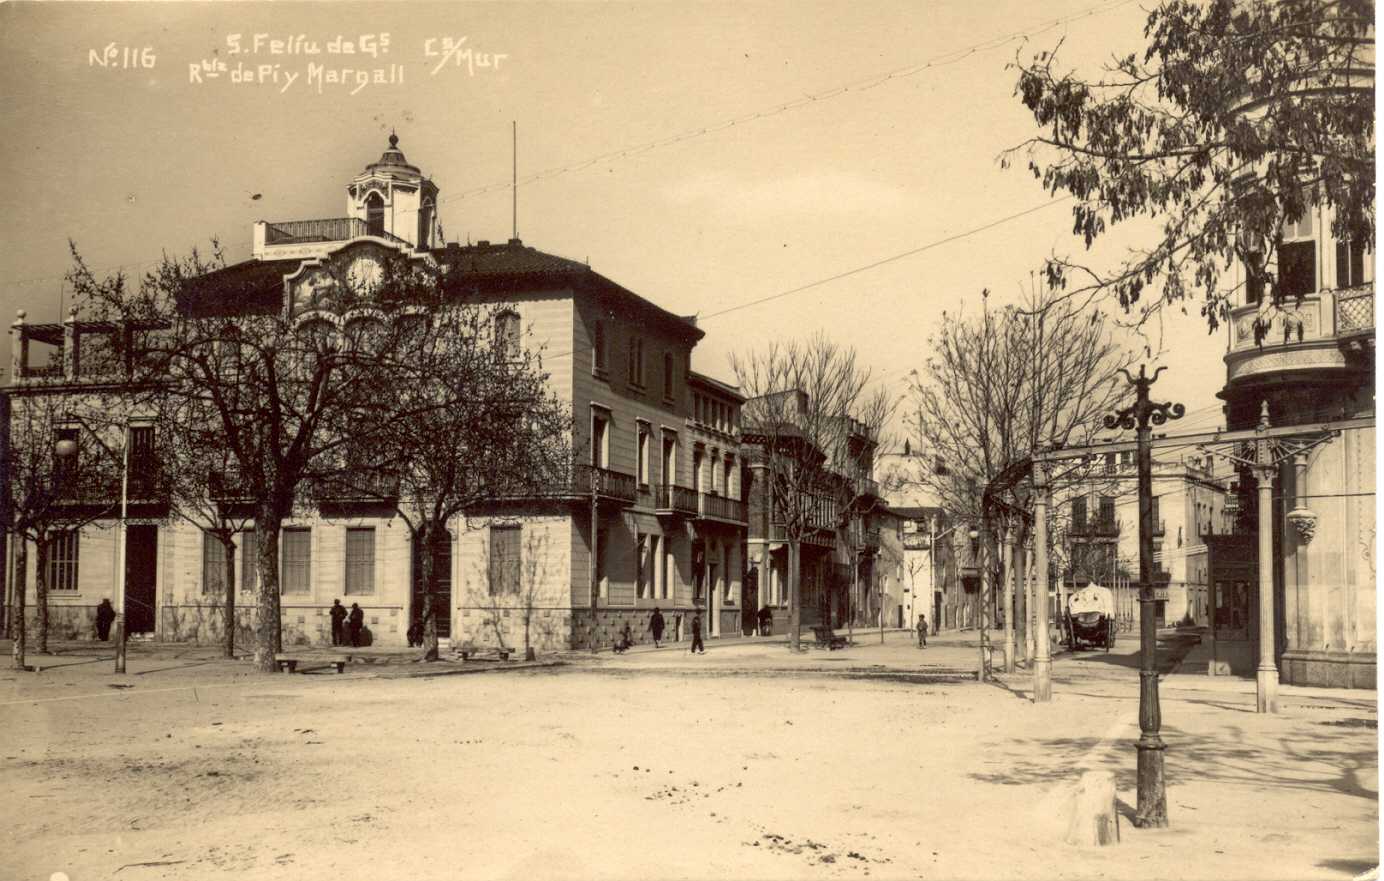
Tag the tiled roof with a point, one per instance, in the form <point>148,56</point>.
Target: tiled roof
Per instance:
<point>254,287</point>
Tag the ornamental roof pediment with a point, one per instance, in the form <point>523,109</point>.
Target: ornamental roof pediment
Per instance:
<point>345,278</point>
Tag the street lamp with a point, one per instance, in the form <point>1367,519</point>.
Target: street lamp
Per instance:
<point>1152,809</point>
<point>66,449</point>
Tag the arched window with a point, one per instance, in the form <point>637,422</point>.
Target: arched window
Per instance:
<point>374,214</point>
<point>507,335</point>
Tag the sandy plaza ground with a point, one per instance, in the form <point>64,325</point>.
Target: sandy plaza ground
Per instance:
<point>878,761</point>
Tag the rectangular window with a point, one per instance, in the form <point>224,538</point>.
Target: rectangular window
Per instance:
<point>1350,264</point>
<point>1153,513</point>
<point>1078,514</point>
<point>143,461</point>
<point>249,562</point>
<point>725,480</point>
<point>1107,512</point>
<point>656,566</point>
<point>669,568</point>
<point>641,563</point>
<point>213,565</point>
<point>598,354</point>
<point>668,376</point>
<point>602,583</point>
<point>697,470</point>
<point>504,559</point>
<point>296,550</point>
<point>636,365</point>
<point>1297,268</point>
<point>599,438</point>
<point>643,454</point>
<point>360,561</point>
<point>670,459</point>
<point>62,561</point>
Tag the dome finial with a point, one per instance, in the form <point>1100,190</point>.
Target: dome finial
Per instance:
<point>393,139</point>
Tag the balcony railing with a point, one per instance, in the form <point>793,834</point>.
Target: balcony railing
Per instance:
<point>722,508</point>
<point>813,535</point>
<point>297,232</point>
<point>1099,527</point>
<point>867,486</point>
<point>605,483</point>
<point>674,499</point>
<point>1354,311</point>
<point>358,488</point>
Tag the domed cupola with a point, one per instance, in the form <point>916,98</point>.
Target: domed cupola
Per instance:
<point>394,200</point>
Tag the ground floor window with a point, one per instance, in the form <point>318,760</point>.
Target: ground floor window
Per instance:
<point>62,561</point>
<point>360,561</point>
<point>504,559</point>
<point>249,562</point>
<point>296,550</point>
<point>213,565</point>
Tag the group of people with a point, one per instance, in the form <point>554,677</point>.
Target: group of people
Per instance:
<point>355,620</point>
<point>656,628</point>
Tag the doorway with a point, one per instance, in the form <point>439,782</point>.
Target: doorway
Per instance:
<point>442,597</point>
<point>141,578</point>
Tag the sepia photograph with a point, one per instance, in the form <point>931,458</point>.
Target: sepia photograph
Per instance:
<point>784,439</point>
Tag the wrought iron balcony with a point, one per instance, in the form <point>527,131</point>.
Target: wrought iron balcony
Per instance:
<point>1098,528</point>
<point>606,484</point>
<point>674,499</point>
<point>867,486</point>
<point>815,536</point>
<point>721,508</point>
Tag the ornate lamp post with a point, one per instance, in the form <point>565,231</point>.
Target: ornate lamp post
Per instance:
<point>1152,809</point>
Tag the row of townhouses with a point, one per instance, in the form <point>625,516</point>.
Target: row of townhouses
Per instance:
<point>668,508</point>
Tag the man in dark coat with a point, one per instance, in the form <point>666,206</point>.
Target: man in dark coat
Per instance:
<point>697,634</point>
<point>766,621</point>
<point>656,625</point>
<point>338,616</point>
<point>105,614</point>
<point>415,633</point>
<point>356,620</point>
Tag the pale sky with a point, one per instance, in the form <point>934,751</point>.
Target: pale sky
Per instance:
<point>130,161</point>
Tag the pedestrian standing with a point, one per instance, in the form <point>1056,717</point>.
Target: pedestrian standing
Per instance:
<point>656,625</point>
<point>356,620</point>
<point>338,616</point>
<point>105,614</point>
<point>922,631</point>
<point>697,634</point>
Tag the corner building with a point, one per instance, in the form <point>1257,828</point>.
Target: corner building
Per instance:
<point>651,516</point>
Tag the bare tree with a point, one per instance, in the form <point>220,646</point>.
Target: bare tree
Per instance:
<point>460,416</point>
<point>279,390</point>
<point>999,387</point>
<point>813,420</point>
<point>60,476</point>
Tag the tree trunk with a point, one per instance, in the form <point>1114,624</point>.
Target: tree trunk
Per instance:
<point>229,545</point>
<point>268,627</point>
<point>427,538</point>
<point>794,595</point>
<point>41,596</point>
<point>18,626</point>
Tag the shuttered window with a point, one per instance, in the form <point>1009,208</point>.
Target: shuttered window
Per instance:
<point>504,559</point>
<point>296,550</point>
<point>360,561</point>
<point>213,565</point>
<point>249,562</point>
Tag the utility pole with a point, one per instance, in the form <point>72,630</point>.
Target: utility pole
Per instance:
<point>1007,593</point>
<point>1042,663</point>
<point>1266,677</point>
<point>595,552</point>
<point>1152,809</point>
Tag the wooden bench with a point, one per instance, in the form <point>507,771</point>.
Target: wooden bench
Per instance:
<point>288,662</point>
<point>469,651</point>
<point>828,640</point>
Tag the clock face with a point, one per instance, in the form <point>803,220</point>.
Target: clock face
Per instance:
<point>364,273</point>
